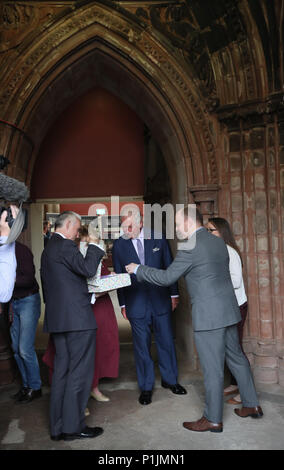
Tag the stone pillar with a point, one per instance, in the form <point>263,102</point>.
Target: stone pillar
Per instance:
<point>254,162</point>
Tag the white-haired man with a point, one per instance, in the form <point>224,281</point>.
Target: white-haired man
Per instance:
<point>147,307</point>
<point>70,319</point>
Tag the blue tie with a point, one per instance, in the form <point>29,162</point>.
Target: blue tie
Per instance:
<point>140,250</point>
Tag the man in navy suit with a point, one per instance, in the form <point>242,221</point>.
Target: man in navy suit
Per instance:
<point>147,307</point>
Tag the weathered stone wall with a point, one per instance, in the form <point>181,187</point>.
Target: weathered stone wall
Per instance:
<point>252,199</point>
<point>207,80</point>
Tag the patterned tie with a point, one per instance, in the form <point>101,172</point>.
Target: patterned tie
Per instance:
<point>140,251</point>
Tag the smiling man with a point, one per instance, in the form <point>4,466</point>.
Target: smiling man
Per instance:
<point>148,307</point>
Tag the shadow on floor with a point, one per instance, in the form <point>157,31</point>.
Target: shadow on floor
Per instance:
<point>130,426</point>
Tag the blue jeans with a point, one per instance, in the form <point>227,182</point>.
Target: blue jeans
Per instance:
<point>25,319</point>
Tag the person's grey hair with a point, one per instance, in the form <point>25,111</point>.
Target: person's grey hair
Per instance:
<point>61,219</point>
<point>131,210</point>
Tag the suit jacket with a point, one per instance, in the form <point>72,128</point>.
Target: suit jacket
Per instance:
<point>63,274</point>
<point>206,271</point>
<point>140,297</point>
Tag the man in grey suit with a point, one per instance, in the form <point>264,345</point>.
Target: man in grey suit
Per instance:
<point>204,262</point>
<point>70,320</point>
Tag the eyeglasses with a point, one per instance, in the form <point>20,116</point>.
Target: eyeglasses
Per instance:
<point>212,230</point>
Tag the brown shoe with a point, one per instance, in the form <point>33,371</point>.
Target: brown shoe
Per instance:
<point>203,425</point>
<point>244,412</point>
<point>233,401</point>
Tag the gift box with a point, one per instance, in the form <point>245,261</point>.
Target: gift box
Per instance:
<point>110,282</point>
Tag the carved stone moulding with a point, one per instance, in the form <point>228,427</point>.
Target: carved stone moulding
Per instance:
<point>257,112</point>
<point>141,47</point>
<point>206,198</point>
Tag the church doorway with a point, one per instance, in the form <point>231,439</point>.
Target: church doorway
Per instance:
<point>139,74</point>
<point>97,157</point>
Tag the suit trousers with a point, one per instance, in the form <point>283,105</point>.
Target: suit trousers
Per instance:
<point>240,325</point>
<point>213,348</point>
<point>72,380</point>
<point>142,335</point>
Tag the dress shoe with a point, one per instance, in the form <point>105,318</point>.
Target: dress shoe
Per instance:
<point>99,396</point>
<point>176,388</point>
<point>203,425</point>
<point>86,433</point>
<point>145,397</point>
<point>20,394</point>
<point>30,395</point>
<point>59,437</point>
<point>245,412</point>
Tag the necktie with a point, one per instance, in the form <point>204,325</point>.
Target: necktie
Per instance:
<point>140,250</point>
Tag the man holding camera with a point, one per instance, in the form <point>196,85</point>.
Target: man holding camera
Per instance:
<point>12,222</point>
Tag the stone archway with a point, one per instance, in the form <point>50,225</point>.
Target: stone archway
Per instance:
<point>212,74</point>
<point>96,45</point>
<point>142,72</point>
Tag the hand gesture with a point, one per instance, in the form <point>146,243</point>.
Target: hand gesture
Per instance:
<point>130,268</point>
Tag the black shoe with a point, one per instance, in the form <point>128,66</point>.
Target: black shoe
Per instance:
<point>30,395</point>
<point>145,397</point>
<point>176,388</point>
<point>85,433</point>
<point>20,394</point>
<point>59,437</point>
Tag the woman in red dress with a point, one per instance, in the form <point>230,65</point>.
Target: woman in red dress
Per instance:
<point>107,343</point>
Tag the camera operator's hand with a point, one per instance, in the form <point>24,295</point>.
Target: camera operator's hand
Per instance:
<point>4,227</point>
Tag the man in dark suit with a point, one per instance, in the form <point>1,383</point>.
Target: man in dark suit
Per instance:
<point>147,307</point>
<point>69,318</point>
<point>204,262</point>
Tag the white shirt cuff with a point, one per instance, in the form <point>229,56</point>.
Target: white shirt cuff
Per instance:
<point>136,269</point>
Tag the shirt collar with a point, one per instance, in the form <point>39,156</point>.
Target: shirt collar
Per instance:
<point>61,234</point>
<point>141,235</point>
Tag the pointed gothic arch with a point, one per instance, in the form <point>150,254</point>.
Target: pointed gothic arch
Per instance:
<point>95,45</point>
